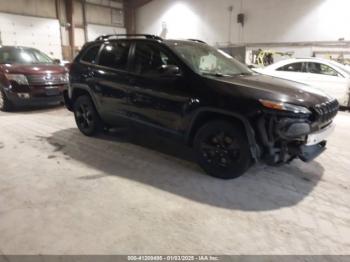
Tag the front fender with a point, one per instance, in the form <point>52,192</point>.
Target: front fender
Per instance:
<point>254,147</point>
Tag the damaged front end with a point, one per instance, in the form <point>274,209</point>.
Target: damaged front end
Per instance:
<point>286,135</point>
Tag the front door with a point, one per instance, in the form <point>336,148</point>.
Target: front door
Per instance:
<point>293,72</point>
<point>157,98</point>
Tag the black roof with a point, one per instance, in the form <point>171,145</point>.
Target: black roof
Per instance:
<point>145,36</point>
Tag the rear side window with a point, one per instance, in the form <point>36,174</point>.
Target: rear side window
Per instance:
<point>115,55</point>
<point>295,67</point>
<point>322,69</point>
<point>91,54</point>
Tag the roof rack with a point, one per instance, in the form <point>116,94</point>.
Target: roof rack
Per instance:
<point>197,40</point>
<point>117,36</point>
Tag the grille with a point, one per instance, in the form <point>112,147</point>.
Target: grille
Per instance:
<point>327,111</point>
<point>47,79</point>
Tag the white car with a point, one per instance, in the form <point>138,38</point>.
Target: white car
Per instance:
<point>329,76</point>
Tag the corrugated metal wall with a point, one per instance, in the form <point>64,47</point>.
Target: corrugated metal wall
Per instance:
<point>20,24</point>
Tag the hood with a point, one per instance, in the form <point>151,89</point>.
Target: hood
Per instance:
<point>276,89</point>
<point>33,69</point>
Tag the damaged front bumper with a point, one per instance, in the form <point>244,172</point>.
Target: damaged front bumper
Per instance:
<point>285,139</point>
<point>319,136</point>
<point>315,143</point>
<point>308,153</point>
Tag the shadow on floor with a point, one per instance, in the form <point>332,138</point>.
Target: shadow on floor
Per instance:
<point>35,109</point>
<point>169,166</point>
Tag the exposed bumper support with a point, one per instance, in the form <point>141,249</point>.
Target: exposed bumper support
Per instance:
<point>285,139</point>
<point>309,153</point>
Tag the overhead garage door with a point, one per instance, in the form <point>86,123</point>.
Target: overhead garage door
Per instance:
<point>40,33</point>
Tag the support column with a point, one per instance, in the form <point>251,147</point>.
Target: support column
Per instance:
<point>130,7</point>
<point>70,20</point>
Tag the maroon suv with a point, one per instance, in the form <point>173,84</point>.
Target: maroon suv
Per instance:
<point>29,77</point>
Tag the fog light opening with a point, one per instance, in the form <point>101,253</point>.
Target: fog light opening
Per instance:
<point>23,95</point>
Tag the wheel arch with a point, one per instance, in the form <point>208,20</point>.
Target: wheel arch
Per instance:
<point>205,115</point>
<point>79,90</point>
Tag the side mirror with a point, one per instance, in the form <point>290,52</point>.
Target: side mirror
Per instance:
<point>57,61</point>
<point>170,70</point>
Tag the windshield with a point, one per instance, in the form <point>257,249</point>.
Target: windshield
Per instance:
<point>23,56</point>
<point>207,60</point>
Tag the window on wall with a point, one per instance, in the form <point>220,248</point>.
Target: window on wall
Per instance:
<point>91,54</point>
<point>115,55</point>
<point>295,67</point>
<point>322,69</point>
<point>117,17</point>
<point>149,59</point>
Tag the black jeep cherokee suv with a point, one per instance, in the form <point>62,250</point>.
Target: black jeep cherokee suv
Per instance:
<point>231,116</point>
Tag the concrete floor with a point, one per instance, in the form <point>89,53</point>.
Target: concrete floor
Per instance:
<point>63,193</point>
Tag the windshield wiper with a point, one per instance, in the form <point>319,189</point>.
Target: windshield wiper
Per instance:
<point>246,74</point>
<point>242,74</point>
<point>217,74</point>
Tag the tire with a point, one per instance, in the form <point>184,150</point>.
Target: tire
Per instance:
<point>5,104</point>
<point>222,149</point>
<point>86,116</point>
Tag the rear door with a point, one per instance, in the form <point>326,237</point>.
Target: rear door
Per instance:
<point>81,69</point>
<point>111,79</point>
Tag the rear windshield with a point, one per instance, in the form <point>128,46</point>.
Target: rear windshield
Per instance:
<point>23,56</point>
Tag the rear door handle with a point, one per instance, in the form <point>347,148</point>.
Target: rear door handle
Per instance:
<point>88,74</point>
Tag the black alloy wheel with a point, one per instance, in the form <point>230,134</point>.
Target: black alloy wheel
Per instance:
<point>222,149</point>
<point>86,116</point>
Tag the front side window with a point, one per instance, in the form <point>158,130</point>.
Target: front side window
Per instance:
<point>115,55</point>
<point>149,59</point>
<point>207,60</point>
<point>295,67</point>
<point>91,54</point>
<point>23,56</point>
<point>322,69</point>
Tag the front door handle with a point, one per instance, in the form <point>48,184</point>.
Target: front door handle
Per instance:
<point>136,98</point>
<point>132,81</point>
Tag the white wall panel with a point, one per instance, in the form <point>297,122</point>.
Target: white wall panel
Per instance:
<point>266,20</point>
<point>103,15</point>
<point>79,37</point>
<point>296,20</point>
<point>40,33</point>
<point>40,8</point>
<point>78,13</point>
<point>94,31</point>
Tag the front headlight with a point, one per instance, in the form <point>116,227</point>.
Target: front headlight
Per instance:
<point>19,79</point>
<point>284,107</point>
<point>65,78</point>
